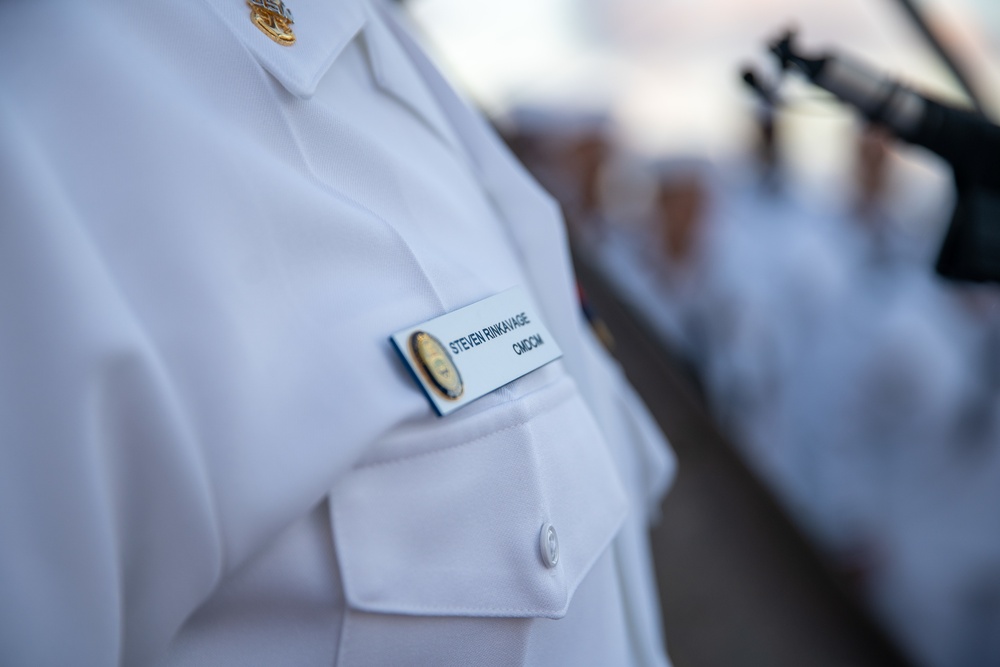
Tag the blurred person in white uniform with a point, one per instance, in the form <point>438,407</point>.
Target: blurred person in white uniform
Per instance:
<point>677,253</point>
<point>776,283</point>
<point>897,385</point>
<point>211,453</point>
<point>939,587</point>
<point>886,254</point>
<point>663,255</point>
<point>565,148</point>
<point>894,424</point>
<point>838,413</point>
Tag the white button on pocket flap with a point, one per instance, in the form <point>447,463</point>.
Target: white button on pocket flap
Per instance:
<point>455,531</point>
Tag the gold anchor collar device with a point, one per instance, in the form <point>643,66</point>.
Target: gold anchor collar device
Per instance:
<point>273,19</point>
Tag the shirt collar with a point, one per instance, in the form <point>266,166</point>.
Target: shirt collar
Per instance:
<point>322,29</point>
<point>397,75</point>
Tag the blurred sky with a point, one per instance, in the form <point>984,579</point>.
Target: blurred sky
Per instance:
<point>667,71</point>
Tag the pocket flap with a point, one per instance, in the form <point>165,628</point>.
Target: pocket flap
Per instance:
<point>456,531</point>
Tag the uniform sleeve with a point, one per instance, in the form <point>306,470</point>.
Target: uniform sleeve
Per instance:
<point>106,521</point>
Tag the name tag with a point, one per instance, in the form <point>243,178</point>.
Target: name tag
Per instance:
<point>466,354</point>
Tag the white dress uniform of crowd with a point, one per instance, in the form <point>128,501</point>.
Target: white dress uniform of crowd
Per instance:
<point>211,453</point>
<point>862,389</point>
<point>940,582</point>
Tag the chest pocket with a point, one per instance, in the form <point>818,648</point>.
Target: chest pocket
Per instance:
<point>455,531</point>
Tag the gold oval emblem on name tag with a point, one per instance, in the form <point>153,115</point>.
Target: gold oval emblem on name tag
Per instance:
<point>436,363</point>
<point>273,19</point>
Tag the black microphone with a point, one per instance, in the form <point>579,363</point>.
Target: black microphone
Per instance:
<point>967,140</point>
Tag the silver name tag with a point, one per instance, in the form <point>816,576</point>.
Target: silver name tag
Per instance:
<point>466,354</point>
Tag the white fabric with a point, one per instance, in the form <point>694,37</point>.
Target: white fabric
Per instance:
<point>211,454</point>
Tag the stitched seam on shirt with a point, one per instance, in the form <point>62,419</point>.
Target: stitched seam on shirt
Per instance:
<point>444,611</point>
<point>326,187</point>
<point>403,459</point>
<point>342,645</point>
<point>307,165</point>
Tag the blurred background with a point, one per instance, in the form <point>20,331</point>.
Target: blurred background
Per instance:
<point>766,273</point>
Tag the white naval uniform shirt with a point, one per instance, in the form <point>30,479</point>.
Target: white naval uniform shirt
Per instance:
<point>210,453</point>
